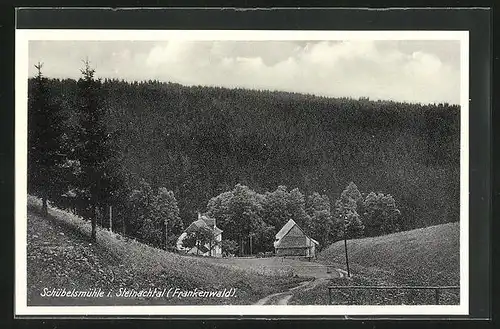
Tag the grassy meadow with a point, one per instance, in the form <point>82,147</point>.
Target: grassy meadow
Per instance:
<point>423,257</point>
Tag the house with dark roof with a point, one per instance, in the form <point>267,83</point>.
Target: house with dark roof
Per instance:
<point>207,249</point>
<point>291,240</point>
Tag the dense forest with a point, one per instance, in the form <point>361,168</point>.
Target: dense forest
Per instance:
<point>200,142</point>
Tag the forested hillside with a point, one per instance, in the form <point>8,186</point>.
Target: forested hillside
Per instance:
<point>201,141</point>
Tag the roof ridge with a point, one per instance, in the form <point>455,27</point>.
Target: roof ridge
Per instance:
<point>291,226</point>
<point>288,229</point>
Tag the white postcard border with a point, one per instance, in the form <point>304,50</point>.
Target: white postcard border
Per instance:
<point>23,36</point>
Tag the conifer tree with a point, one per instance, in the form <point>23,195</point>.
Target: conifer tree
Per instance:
<point>93,147</point>
<point>44,140</point>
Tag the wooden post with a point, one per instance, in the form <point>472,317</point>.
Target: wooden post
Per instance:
<point>250,245</point>
<point>329,296</point>
<point>166,234</point>
<point>437,296</point>
<point>111,218</point>
<point>345,247</point>
<point>241,246</point>
<point>346,257</point>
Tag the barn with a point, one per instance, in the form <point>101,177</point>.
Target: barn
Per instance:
<point>291,240</point>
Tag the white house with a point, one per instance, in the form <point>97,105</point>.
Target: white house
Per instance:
<point>204,250</point>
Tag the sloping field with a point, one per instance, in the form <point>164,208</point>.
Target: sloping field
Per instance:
<point>60,256</point>
<point>427,256</point>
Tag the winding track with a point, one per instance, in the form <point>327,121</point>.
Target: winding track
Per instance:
<point>282,298</point>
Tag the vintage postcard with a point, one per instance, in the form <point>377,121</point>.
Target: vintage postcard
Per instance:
<point>241,172</point>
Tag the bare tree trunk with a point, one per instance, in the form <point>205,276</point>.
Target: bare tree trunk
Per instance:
<point>93,235</point>
<point>45,210</point>
<point>100,214</point>
<point>110,218</point>
<point>124,223</point>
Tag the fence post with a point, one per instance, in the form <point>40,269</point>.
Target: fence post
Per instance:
<point>437,296</point>
<point>330,296</point>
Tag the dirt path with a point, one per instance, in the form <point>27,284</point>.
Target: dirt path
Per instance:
<point>283,298</point>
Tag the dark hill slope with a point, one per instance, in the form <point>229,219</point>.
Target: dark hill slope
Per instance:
<point>201,141</point>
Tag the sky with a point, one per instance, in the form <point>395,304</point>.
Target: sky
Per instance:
<point>411,71</point>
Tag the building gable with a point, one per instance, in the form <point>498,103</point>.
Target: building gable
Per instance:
<point>295,231</point>
<point>292,236</point>
<point>284,230</point>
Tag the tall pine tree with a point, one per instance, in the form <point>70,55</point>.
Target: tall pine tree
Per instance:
<point>93,145</point>
<point>44,136</point>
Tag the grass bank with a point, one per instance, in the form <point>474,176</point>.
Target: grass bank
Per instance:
<point>60,255</point>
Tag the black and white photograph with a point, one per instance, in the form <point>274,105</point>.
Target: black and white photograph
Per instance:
<point>268,172</point>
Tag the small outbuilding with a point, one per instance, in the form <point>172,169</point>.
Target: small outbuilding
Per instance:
<point>291,240</point>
